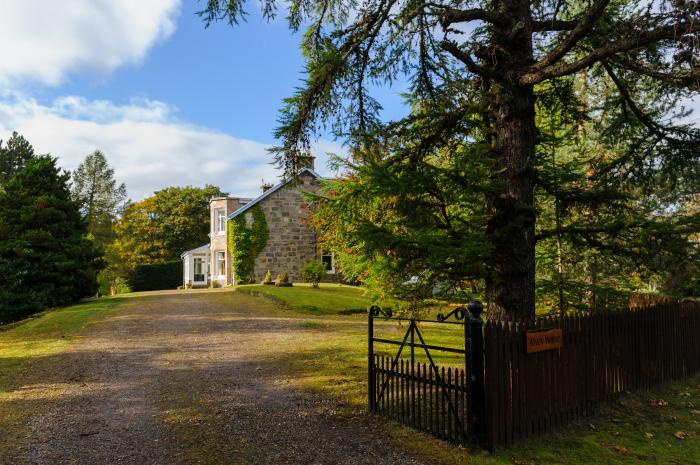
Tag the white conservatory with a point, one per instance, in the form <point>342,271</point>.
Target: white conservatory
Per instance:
<point>196,267</point>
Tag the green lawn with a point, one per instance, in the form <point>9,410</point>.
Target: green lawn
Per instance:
<point>327,354</point>
<point>327,299</point>
<point>331,359</point>
<point>46,334</point>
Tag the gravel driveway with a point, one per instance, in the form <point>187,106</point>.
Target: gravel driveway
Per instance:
<point>186,378</point>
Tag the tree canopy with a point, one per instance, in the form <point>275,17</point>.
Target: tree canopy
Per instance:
<point>45,258</point>
<point>470,161</point>
<point>159,228</point>
<point>13,156</point>
<point>100,197</point>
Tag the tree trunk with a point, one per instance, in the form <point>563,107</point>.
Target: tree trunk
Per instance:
<point>511,229</point>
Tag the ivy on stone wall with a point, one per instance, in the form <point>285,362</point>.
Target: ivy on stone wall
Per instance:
<point>245,243</point>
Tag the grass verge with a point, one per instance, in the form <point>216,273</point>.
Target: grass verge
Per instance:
<point>46,334</point>
<point>329,298</point>
<point>33,340</point>
<point>662,425</point>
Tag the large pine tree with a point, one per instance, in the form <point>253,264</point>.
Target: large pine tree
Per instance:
<point>13,156</point>
<point>474,68</point>
<point>100,197</point>
<point>45,258</point>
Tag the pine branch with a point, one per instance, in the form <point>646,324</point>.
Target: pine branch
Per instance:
<point>581,30</point>
<point>685,78</point>
<point>647,121</point>
<point>453,16</point>
<point>554,25</point>
<point>668,32</point>
<point>613,227</point>
<point>453,49</point>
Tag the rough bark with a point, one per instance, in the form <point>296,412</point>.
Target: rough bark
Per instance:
<point>511,229</point>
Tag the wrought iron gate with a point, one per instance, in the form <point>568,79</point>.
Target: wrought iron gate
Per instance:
<point>446,402</point>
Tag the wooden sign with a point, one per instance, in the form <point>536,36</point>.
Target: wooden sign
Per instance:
<point>540,341</point>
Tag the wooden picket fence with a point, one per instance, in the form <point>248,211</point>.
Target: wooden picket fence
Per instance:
<point>601,356</point>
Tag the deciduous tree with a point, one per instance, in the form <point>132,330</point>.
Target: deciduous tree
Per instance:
<point>159,228</point>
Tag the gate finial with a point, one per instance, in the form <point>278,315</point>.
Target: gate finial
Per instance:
<point>476,308</point>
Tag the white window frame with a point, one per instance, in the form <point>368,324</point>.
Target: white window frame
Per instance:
<point>221,258</point>
<point>332,255</point>
<point>195,262</point>
<point>201,268</point>
<point>220,221</point>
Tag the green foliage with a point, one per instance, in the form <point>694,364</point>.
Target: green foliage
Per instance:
<point>13,156</point>
<point>245,243</point>
<point>603,232</point>
<point>159,228</point>
<point>106,285</point>
<point>45,258</point>
<point>156,276</point>
<point>693,287</point>
<point>100,198</point>
<point>101,201</point>
<point>268,277</point>
<point>401,216</point>
<point>313,272</point>
<point>466,157</point>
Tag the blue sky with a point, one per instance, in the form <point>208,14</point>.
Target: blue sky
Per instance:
<point>228,78</point>
<point>168,101</point>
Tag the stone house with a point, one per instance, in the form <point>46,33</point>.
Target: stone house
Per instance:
<point>291,239</point>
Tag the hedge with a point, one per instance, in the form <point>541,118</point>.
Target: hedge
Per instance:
<point>156,277</point>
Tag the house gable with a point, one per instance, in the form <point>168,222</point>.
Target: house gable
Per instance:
<point>302,173</point>
<point>291,238</point>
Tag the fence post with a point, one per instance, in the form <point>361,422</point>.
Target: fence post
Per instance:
<point>475,370</point>
<point>370,360</point>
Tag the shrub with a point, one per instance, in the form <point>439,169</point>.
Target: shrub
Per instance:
<point>313,272</point>
<point>282,280</point>
<point>156,277</point>
<point>268,278</point>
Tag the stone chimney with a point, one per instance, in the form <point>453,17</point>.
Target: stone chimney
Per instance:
<point>306,161</point>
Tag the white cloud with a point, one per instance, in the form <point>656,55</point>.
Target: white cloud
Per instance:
<point>694,105</point>
<point>144,142</point>
<point>44,41</point>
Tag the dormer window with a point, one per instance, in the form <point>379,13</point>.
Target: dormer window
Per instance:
<point>220,221</point>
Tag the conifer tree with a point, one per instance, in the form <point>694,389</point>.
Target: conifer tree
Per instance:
<point>474,69</point>
<point>45,257</point>
<point>13,156</point>
<point>100,197</point>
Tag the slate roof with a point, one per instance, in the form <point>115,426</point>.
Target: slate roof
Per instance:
<point>270,191</point>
